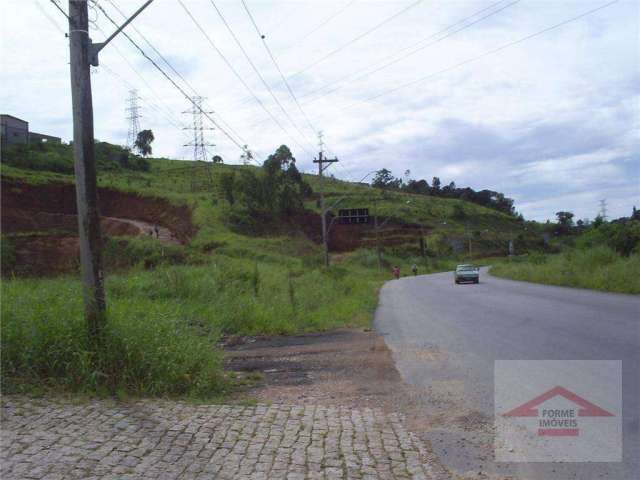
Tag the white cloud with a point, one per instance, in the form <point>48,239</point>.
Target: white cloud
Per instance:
<point>554,114</point>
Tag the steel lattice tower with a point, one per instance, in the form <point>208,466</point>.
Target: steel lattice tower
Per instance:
<point>603,209</point>
<point>198,143</point>
<point>133,112</point>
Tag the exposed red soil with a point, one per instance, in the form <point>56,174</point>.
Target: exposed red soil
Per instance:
<point>44,217</point>
<point>348,237</point>
<point>52,206</point>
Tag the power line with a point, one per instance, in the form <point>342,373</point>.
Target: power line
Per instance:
<point>150,103</point>
<point>172,68</point>
<point>483,55</point>
<point>49,17</point>
<point>168,111</point>
<point>167,63</point>
<point>366,72</point>
<point>273,59</point>
<point>178,87</point>
<point>327,20</point>
<point>237,75</point>
<point>358,37</point>
<point>60,8</point>
<point>255,69</point>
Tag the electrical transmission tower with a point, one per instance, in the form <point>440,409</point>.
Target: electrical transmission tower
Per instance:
<point>603,209</point>
<point>133,112</point>
<point>198,143</point>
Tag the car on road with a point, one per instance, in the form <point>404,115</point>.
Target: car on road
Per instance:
<point>466,273</point>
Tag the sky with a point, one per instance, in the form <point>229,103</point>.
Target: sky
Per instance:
<point>439,88</point>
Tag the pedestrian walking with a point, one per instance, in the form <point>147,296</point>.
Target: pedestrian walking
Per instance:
<point>157,230</point>
<point>396,272</point>
<point>414,269</point>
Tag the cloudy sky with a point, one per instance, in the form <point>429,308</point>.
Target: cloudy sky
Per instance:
<point>552,120</point>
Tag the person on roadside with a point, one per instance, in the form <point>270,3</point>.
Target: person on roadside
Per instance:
<point>414,269</point>
<point>156,230</point>
<point>396,272</point>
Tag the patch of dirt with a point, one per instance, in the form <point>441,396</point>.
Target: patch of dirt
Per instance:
<point>346,367</point>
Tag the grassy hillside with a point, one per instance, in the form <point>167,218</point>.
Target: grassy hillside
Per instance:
<point>169,308</point>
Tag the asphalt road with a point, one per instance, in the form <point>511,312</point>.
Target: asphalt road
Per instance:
<point>445,339</point>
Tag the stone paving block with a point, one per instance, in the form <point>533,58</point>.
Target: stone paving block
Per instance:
<point>103,439</point>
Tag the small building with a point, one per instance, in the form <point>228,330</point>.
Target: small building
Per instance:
<point>353,215</point>
<point>16,131</point>
<point>43,138</point>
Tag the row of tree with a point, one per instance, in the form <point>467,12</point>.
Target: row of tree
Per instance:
<point>488,198</point>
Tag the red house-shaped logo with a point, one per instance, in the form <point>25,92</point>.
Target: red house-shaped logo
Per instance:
<point>587,409</point>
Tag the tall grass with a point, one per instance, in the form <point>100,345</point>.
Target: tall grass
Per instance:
<point>597,268</point>
<point>163,324</point>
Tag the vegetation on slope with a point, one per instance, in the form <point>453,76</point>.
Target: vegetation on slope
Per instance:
<point>605,257</point>
<point>166,313</point>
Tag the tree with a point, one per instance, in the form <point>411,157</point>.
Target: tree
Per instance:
<point>435,185</point>
<point>278,161</point>
<point>565,222</point>
<point>143,142</point>
<point>417,186</point>
<point>217,159</point>
<point>247,155</point>
<point>384,179</point>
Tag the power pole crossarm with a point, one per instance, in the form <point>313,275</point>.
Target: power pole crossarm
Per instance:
<point>94,48</point>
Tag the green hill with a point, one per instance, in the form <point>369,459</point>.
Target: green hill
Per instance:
<point>169,300</point>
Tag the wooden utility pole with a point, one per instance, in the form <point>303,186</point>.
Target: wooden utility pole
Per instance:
<point>84,53</point>
<point>377,230</point>
<point>85,170</point>
<point>323,212</point>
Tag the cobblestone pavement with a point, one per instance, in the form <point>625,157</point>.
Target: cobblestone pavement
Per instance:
<point>167,440</point>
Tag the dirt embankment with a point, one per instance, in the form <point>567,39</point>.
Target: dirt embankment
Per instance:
<point>52,206</point>
<point>42,222</point>
<point>349,237</point>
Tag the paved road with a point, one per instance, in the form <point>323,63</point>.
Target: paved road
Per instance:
<point>445,338</point>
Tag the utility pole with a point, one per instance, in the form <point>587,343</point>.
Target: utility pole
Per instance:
<point>82,53</point>
<point>377,230</point>
<point>321,161</point>
<point>85,170</point>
